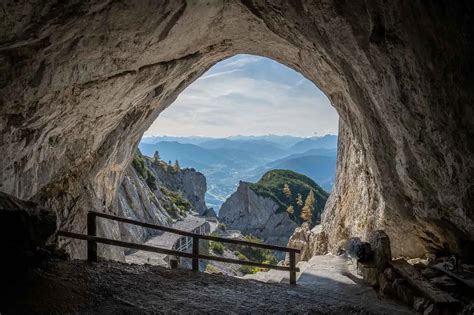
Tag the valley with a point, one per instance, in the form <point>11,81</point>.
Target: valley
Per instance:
<point>227,161</point>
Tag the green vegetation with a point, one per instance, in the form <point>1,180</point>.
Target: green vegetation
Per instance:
<point>139,165</point>
<point>307,211</point>
<point>212,269</point>
<point>176,167</point>
<point>217,247</point>
<point>177,198</point>
<point>256,254</point>
<point>288,188</point>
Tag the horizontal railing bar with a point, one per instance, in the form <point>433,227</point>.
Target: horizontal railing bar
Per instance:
<point>247,263</point>
<point>148,248</point>
<point>190,234</point>
<point>108,241</point>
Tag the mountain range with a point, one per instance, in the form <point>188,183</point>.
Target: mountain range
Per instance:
<point>226,161</point>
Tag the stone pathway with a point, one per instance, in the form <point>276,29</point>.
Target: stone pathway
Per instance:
<point>63,287</point>
<point>333,276</point>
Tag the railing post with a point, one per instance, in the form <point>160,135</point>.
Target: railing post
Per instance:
<point>195,253</point>
<point>91,231</point>
<point>292,268</point>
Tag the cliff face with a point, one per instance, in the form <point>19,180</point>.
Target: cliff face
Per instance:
<point>255,215</point>
<point>81,81</point>
<point>137,200</point>
<point>189,182</point>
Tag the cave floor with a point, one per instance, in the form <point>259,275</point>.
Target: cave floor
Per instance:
<point>59,287</point>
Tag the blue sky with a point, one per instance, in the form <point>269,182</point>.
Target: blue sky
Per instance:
<point>248,95</point>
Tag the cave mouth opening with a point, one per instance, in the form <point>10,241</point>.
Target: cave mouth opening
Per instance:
<point>101,78</point>
<point>244,116</point>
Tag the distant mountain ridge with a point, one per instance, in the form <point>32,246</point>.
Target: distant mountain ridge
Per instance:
<point>227,161</point>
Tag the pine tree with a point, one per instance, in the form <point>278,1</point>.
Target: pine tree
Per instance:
<point>176,166</point>
<point>307,211</point>
<point>290,209</point>
<point>287,191</point>
<point>156,156</point>
<point>299,200</point>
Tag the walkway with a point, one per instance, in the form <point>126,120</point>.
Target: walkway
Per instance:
<point>171,240</point>
<point>61,287</point>
<point>332,276</point>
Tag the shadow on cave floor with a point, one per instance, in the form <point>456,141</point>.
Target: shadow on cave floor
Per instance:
<point>114,287</point>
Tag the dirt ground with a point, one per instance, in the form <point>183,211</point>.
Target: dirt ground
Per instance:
<point>61,287</point>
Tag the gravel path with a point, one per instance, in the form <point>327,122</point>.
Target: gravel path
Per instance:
<point>61,287</point>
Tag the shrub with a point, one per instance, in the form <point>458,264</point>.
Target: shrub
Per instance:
<point>249,269</point>
<point>217,247</point>
<point>177,198</point>
<point>139,165</point>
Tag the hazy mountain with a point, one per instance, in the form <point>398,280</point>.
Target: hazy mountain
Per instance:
<point>325,142</point>
<point>227,161</point>
<point>281,141</point>
<point>321,169</point>
<point>189,155</point>
<point>261,149</point>
<point>188,140</point>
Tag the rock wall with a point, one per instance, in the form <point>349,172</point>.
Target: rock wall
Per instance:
<point>255,215</point>
<point>191,183</point>
<point>81,81</point>
<point>136,200</point>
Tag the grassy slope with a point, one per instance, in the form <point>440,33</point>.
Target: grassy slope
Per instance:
<point>271,185</point>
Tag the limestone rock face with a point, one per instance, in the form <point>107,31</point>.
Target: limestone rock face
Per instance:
<point>136,200</point>
<point>81,81</point>
<point>255,215</point>
<point>189,182</point>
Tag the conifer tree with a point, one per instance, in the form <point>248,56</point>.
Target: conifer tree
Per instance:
<point>287,191</point>
<point>176,166</point>
<point>307,211</point>
<point>290,209</point>
<point>156,156</point>
<point>299,200</point>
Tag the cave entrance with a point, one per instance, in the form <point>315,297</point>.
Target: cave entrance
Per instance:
<point>248,100</point>
<point>249,123</point>
<point>101,74</point>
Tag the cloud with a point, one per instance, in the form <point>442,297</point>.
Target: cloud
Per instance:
<point>248,95</point>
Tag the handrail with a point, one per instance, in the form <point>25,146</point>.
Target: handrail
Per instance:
<point>190,234</point>
<point>92,241</point>
<point>160,250</point>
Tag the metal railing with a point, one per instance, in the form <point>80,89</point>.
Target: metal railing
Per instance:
<point>92,240</point>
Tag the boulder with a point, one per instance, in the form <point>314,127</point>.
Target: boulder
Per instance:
<point>27,236</point>
<point>380,246</point>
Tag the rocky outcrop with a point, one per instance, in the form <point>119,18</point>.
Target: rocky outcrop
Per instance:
<point>137,200</point>
<point>81,81</point>
<point>255,215</point>
<point>27,236</point>
<point>191,183</point>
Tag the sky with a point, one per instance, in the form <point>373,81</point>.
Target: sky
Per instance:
<point>248,95</point>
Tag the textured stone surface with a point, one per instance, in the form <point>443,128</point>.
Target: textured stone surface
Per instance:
<point>115,288</point>
<point>81,81</point>
<point>380,246</point>
<point>255,215</point>
<point>136,200</point>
